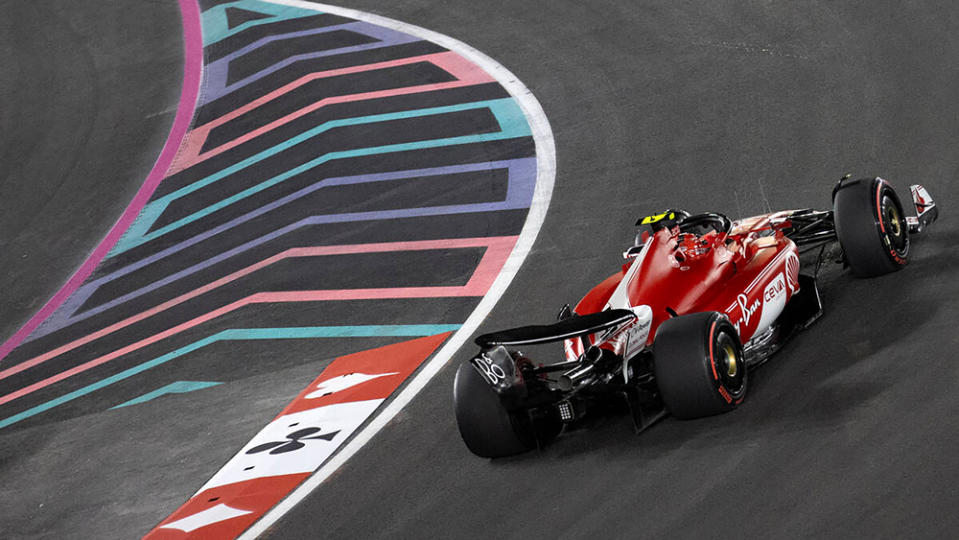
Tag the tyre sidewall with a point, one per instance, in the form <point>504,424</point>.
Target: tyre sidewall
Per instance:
<point>686,366</point>
<point>865,236</point>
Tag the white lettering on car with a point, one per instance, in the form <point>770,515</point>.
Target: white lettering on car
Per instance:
<point>747,310</point>
<point>774,289</point>
<point>493,373</point>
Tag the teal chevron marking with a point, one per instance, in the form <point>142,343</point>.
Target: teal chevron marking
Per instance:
<point>312,332</point>
<point>179,387</point>
<point>388,330</point>
<point>507,112</point>
<point>216,26</point>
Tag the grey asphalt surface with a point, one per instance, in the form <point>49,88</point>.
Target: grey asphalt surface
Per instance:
<point>728,106</point>
<point>89,91</point>
<point>732,106</point>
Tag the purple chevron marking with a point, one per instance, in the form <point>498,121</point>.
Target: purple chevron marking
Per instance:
<point>519,195</point>
<point>216,72</point>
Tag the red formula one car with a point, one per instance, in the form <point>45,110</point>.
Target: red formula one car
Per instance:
<point>698,302</point>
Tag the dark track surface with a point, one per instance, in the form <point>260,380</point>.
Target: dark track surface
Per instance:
<point>850,431</point>
<point>89,92</point>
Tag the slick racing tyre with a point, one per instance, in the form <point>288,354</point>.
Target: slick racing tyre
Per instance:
<point>698,362</point>
<point>487,428</point>
<point>871,226</point>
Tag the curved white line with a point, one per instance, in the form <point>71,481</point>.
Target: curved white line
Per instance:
<point>545,177</point>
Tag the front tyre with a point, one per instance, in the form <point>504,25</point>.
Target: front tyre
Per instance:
<point>698,362</point>
<point>487,427</point>
<point>871,227</point>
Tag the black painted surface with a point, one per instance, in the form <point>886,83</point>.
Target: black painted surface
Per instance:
<point>337,111</point>
<point>326,87</point>
<point>290,73</point>
<point>227,45</point>
<point>265,56</point>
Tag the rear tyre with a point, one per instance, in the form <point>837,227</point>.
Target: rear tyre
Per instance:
<point>487,428</point>
<point>871,227</point>
<point>698,362</point>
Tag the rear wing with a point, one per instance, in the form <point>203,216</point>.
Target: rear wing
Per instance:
<point>566,329</point>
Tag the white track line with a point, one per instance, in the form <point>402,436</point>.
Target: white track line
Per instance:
<point>543,192</point>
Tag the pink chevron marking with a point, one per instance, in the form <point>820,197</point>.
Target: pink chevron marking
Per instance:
<point>466,73</point>
<point>497,251</point>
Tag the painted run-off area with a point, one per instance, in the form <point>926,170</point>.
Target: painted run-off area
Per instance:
<point>329,161</point>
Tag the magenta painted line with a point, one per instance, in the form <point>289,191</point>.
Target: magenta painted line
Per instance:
<point>192,71</point>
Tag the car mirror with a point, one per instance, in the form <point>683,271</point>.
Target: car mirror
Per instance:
<point>632,252</point>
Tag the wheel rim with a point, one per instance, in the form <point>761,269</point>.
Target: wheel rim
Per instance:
<point>729,358</point>
<point>895,227</point>
<point>729,365</point>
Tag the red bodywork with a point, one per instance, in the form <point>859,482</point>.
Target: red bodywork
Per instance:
<point>749,274</point>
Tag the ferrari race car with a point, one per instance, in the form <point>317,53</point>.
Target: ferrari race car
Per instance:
<point>699,302</point>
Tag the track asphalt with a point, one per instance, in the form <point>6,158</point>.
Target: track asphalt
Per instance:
<point>733,106</point>
<point>89,93</point>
